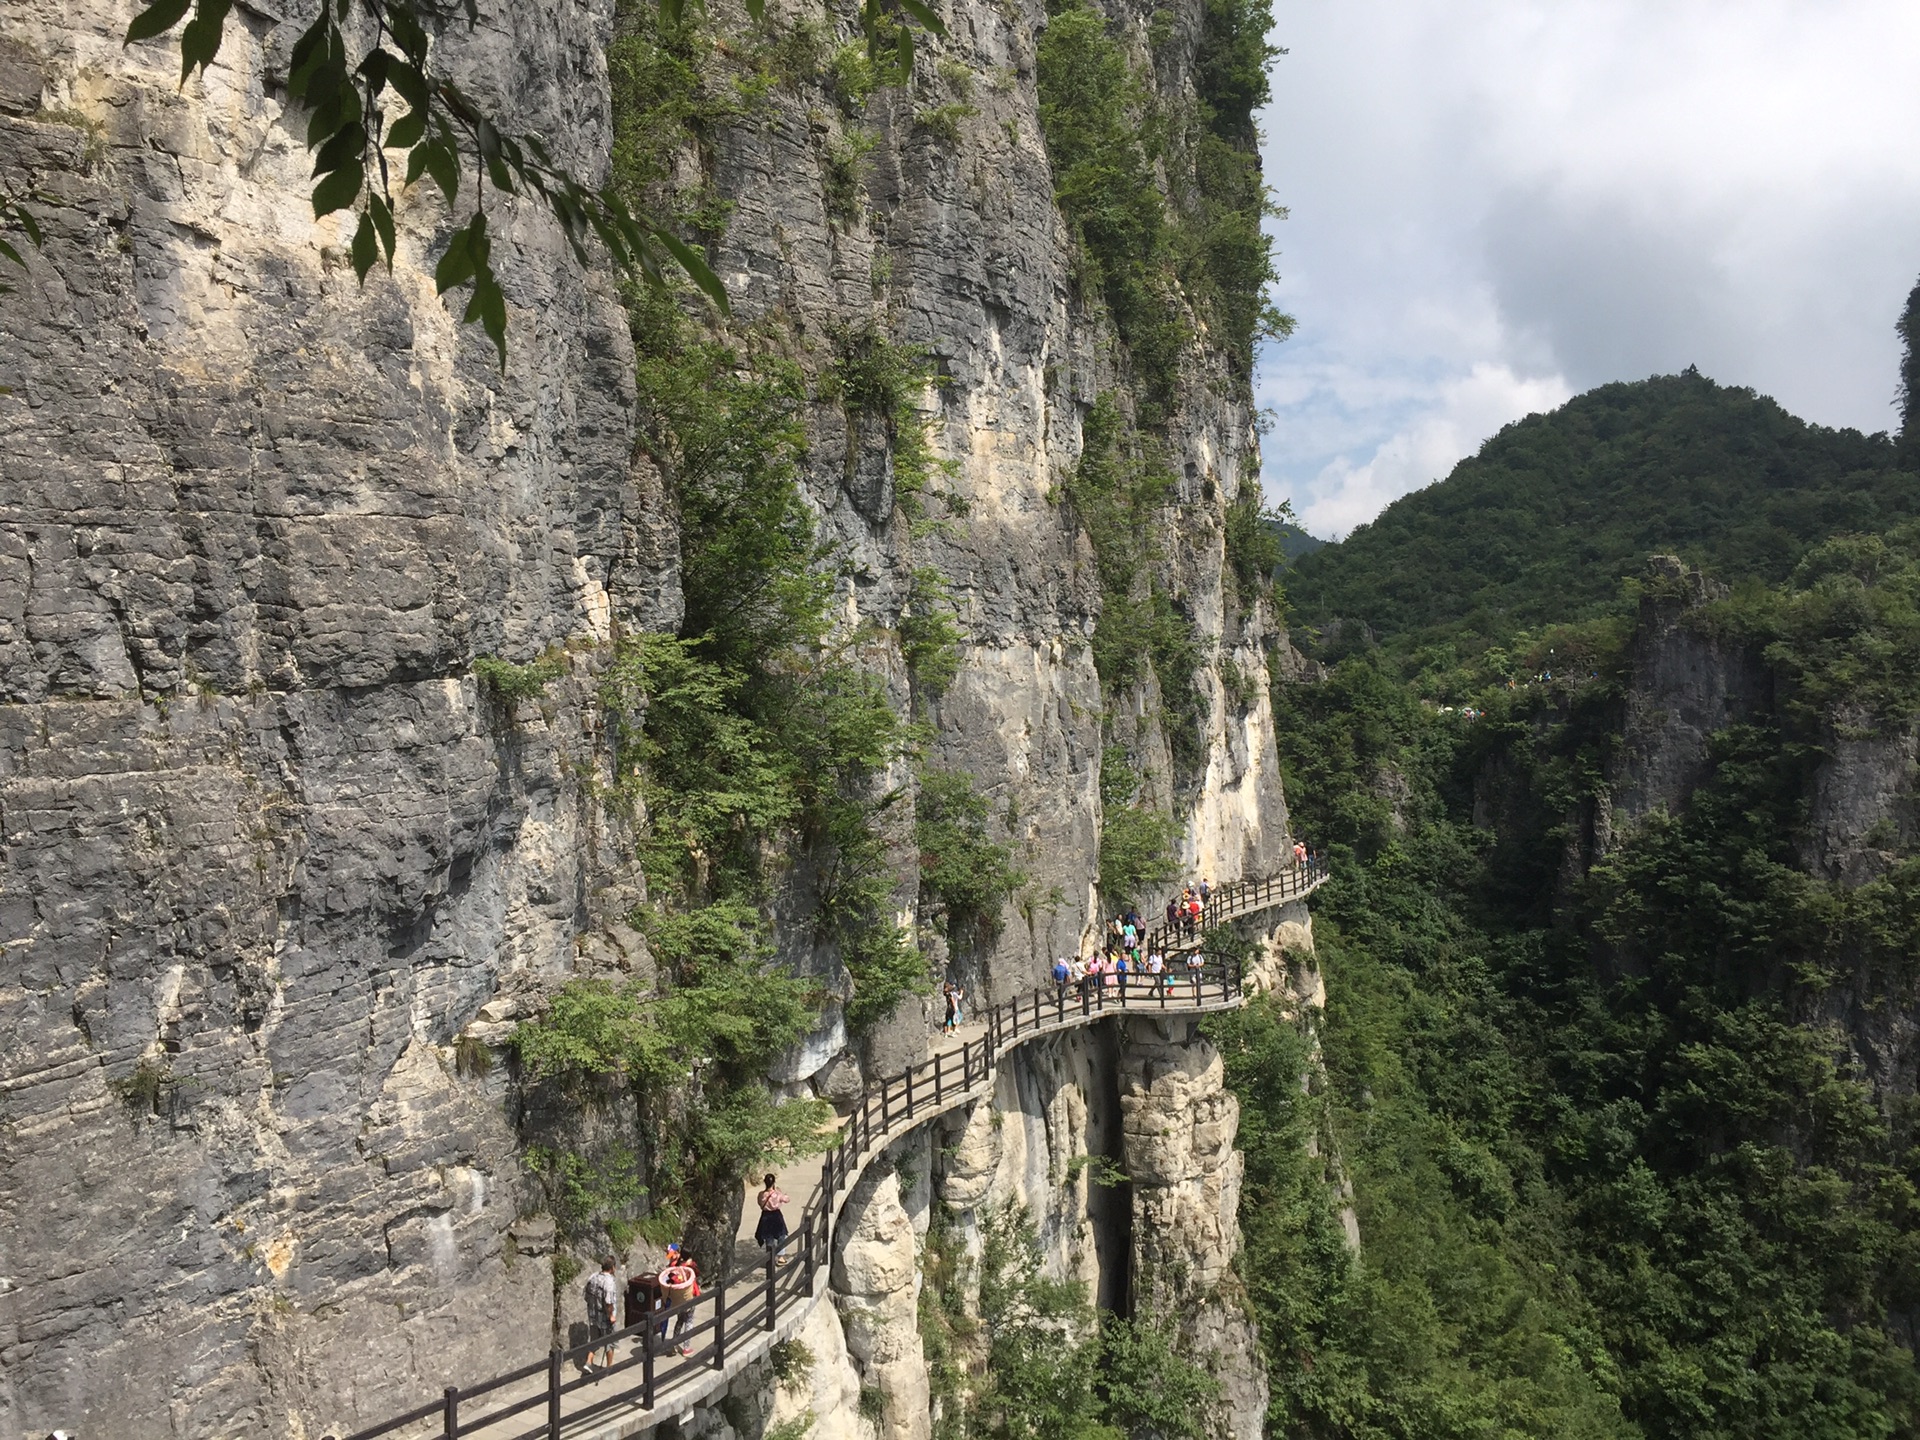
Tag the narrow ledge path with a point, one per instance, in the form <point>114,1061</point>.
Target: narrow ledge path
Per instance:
<point>734,1324</point>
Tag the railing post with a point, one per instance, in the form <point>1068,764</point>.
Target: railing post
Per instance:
<point>646,1365</point>
<point>720,1325</point>
<point>812,1241</point>
<point>909,1092</point>
<point>553,1393</point>
<point>939,1091</point>
<point>450,1413</point>
<point>770,1299</point>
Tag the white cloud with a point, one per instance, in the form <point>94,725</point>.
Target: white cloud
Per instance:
<point>1588,189</point>
<point>1469,409</point>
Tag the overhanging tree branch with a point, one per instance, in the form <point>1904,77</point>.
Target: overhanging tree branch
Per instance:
<point>351,130</point>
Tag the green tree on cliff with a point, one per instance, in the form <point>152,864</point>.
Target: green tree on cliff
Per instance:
<point>1908,395</point>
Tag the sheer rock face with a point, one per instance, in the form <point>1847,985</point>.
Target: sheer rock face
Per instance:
<point>1862,793</point>
<point>1179,1122</point>
<point>266,848</point>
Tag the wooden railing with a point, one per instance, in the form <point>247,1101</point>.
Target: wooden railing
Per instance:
<point>733,1319</point>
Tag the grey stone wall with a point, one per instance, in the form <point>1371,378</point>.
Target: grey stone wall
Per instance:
<point>266,849</point>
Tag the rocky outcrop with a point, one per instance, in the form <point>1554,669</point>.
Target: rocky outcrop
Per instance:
<point>876,1289</point>
<point>1179,1122</point>
<point>1686,684</point>
<point>1864,809</point>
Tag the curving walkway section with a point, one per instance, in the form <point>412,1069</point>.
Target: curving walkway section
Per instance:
<point>741,1317</point>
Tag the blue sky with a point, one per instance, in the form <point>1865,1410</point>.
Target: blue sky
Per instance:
<point>1496,204</point>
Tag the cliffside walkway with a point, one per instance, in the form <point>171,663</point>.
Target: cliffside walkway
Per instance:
<point>743,1314</point>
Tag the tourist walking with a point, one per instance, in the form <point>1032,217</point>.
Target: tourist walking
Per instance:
<point>771,1232</point>
<point>1121,967</point>
<point>603,1294</point>
<point>1062,973</point>
<point>1156,971</point>
<point>1299,853</point>
<point>681,1282</point>
<point>1195,962</point>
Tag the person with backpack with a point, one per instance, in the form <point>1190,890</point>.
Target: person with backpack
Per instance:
<point>603,1293</point>
<point>680,1280</point>
<point>1062,973</point>
<point>1195,962</point>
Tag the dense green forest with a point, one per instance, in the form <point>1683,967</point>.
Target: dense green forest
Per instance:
<point>1542,525</point>
<point>1618,1162</point>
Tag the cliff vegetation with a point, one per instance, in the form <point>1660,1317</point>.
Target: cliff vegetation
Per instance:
<point>1618,1073</point>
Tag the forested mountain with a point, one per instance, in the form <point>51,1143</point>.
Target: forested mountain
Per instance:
<point>1543,523</point>
<point>1620,967</point>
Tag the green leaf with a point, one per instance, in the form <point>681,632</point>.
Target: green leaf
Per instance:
<point>405,132</point>
<point>903,57</point>
<point>200,41</point>
<point>444,164</point>
<point>436,158</point>
<point>489,307</point>
<point>757,11</point>
<point>374,69</point>
<point>382,214</point>
<point>156,19</point>
<point>925,15</point>
<point>12,254</point>
<point>337,103</point>
<point>365,247</point>
<point>349,142</point>
<point>407,33</point>
<point>696,268</point>
<point>318,43</point>
<point>28,224</point>
<point>487,140</point>
<point>466,254</point>
<point>410,84</point>
<point>339,190</point>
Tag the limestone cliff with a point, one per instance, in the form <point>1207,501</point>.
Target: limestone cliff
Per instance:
<point>267,847</point>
